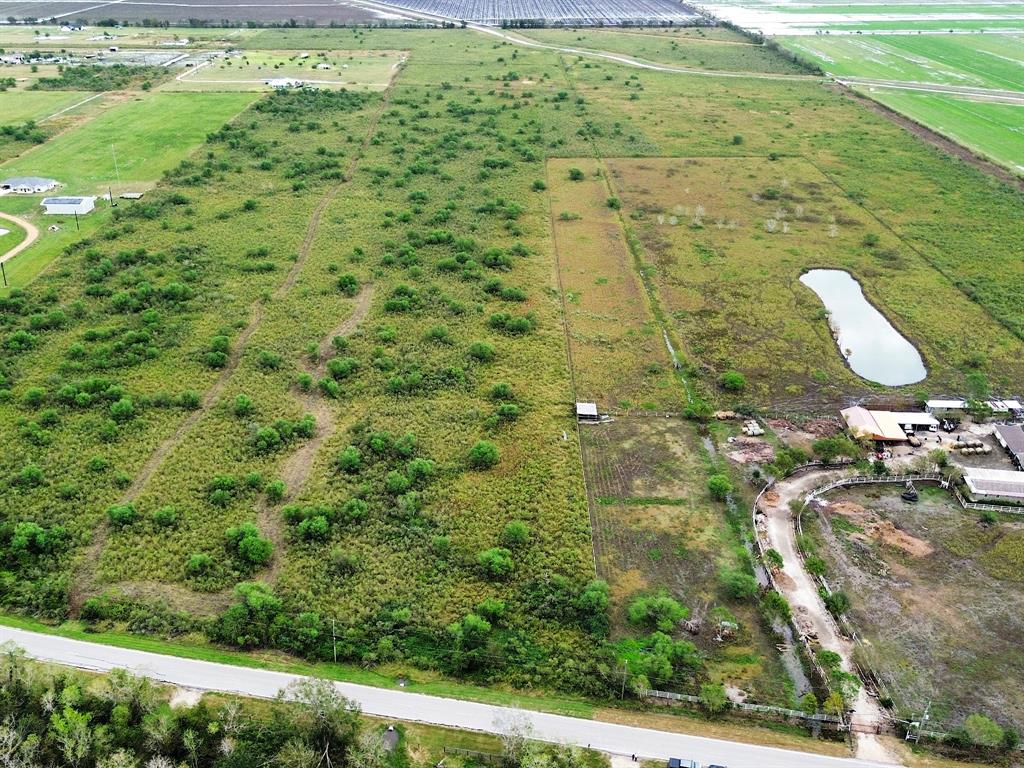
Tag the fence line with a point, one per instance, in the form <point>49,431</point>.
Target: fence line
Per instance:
<point>929,477</point>
<point>790,713</point>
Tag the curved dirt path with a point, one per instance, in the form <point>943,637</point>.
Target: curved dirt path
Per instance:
<point>801,591</point>
<point>297,467</point>
<point>32,234</point>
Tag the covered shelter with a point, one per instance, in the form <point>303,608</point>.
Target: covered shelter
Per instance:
<point>1011,437</point>
<point>995,483</point>
<point>68,206</point>
<point>587,412</point>
<point>886,426</point>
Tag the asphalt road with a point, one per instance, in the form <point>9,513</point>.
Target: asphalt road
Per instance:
<point>416,707</point>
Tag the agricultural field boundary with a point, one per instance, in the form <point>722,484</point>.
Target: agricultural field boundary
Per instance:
<point>85,578</point>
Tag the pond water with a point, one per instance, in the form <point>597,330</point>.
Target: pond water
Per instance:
<point>874,349</point>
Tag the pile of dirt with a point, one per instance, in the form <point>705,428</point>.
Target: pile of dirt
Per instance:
<point>770,498</point>
<point>751,450</point>
<point>822,427</point>
<point>875,528</point>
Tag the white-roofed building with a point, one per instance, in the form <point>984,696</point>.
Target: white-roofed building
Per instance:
<point>986,483</point>
<point>28,185</point>
<point>587,412</point>
<point>68,206</point>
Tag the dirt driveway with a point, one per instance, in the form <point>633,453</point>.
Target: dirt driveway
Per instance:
<point>33,235</point>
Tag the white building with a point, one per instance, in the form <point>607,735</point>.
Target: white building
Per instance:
<point>280,83</point>
<point>28,185</point>
<point>995,483</point>
<point>68,206</point>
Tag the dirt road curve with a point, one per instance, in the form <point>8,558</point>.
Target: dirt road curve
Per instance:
<point>33,235</point>
<point>801,590</point>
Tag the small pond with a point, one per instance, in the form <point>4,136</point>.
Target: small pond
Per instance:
<point>874,349</point>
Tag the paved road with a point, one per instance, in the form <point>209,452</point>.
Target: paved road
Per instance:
<point>403,705</point>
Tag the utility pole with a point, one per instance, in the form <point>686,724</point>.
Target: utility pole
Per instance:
<point>4,272</point>
<point>334,638</point>
<point>622,695</point>
<point>117,172</point>
<point>77,227</point>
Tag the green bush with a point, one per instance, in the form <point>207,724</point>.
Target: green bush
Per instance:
<point>496,562</point>
<point>483,455</point>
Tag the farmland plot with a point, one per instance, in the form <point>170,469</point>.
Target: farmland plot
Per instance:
<point>657,527</point>
<point>618,355</point>
<point>923,578</point>
<point>728,239</point>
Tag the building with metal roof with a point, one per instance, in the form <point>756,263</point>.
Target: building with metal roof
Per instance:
<point>1011,437</point>
<point>886,426</point>
<point>68,206</point>
<point>995,483</point>
<point>587,412</point>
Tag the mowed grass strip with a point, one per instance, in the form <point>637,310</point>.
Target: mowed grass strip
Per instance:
<point>619,358</point>
<point>130,144</point>
<point>20,106</point>
<point>993,130</point>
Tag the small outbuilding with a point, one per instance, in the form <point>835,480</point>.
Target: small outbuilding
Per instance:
<point>68,206</point>
<point>587,412</point>
<point>28,185</point>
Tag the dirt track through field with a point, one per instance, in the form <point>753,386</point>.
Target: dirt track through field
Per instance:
<point>296,468</point>
<point>32,234</point>
<point>85,576</point>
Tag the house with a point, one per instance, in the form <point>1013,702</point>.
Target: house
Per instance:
<point>28,185</point>
<point>958,406</point>
<point>587,412</point>
<point>1011,437</point>
<point>280,83</point>
<point>68,206</point>
<point>1003,484</point>
<point>886,426</point>
<point>323,66</point>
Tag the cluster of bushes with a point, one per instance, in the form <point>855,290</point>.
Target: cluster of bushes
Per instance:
<point>114,77</point>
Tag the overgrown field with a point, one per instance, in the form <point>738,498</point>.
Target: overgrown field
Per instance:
<point>355,70</point>
<point>713,49</point>
<point>937,595</point>
<point>727,240</point>
<point>317,379</point>
<point>18,107</point>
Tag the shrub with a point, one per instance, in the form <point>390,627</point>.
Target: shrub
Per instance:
<point>659,611</point>
<point>501,391</point>
<point>983,731</point>
<point>737,584</point>
<point>198,564</point>
<point>122,410</point>
<point>482,351</point>
<point>719,487</point>
<point>837,603</point>
<point>713,698</point>
<point>496,562</point>
<point>121,515</point>
<point>314,528</point>
<point>255,551</point>
<point>483,455</point>
<point>515,535</point>
<point>348,284</point>
<point>732,381</point>
<point>275,491</point>
<point>350,460</point>
<point>243,405</point>
<point>165,517</point>
<point>575,174</point>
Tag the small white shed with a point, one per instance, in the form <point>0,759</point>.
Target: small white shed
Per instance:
<point>68,206</point>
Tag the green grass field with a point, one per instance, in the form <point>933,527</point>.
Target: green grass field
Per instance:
<point>149,135</point>
<point>987,61</point>
<point>20,106</point>
<point>995,131</point>
<point>355,70</point>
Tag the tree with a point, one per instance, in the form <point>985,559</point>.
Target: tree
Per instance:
<point>809,704</point>
<point>496,562</point>
<point>719,487</point>
<point>73,734</point>
<point>318,709</point>
<point>592,606</point>
<point>483,455</point>
<point>837,603</point>
<point>659,611</point>
<point>713,698</point>
<point>732,381</point>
